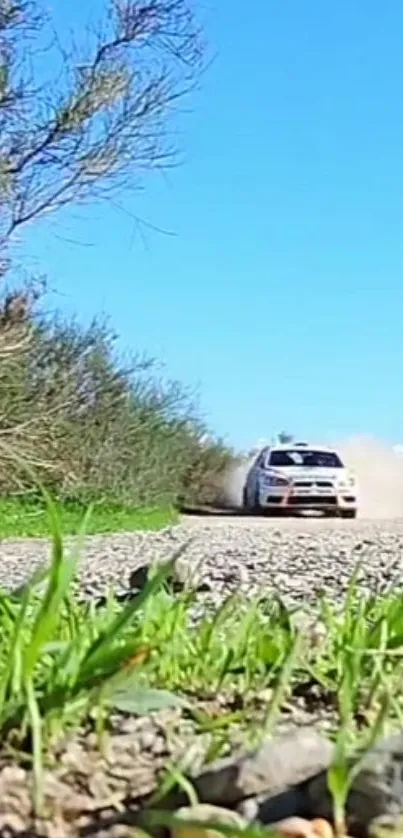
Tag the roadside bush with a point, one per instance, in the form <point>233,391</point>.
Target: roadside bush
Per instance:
<point>93,425</point>
<point>202,479</point>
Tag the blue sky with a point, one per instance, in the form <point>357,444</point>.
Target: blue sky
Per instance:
<point>279,293</point>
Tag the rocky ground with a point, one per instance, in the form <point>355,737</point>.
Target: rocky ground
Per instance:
<point>87,792</point>
<point>298,557</point>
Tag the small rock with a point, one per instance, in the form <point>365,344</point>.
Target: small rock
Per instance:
<point>12,824</point>
<point>147,740</point>
<point>249,809</point>
<point>15,802</point>
<point>295,828</point>
<point>187,576</point>
<point>139,578</point>
<point>386,827</point>
<point>377,791</point>
<point>279,764</point>
<point>322,828</point>
<point>271,809</point>
<point>204,814</point>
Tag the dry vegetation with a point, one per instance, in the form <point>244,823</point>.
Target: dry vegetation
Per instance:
<point>91,427</point>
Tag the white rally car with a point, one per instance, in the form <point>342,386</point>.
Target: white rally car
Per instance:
<point>297,477</point>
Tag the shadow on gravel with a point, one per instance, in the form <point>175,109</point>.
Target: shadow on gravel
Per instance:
<point>214,510</point>
<point>240,512</point>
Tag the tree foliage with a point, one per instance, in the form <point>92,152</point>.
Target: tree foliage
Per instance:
<point>285,438</point>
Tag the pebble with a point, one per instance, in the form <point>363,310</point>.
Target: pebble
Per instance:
<point>198,818</point>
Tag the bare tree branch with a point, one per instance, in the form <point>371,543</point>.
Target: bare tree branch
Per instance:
<point>95,128</point>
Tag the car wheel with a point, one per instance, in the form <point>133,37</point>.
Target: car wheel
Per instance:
<point>256,505</point>
<point>245,503</point>
<point>348,513</point>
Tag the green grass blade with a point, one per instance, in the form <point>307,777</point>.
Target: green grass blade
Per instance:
<point>95,654</point>
<point>36,728</point>
<point>11,683</point>
<point>61,575</point>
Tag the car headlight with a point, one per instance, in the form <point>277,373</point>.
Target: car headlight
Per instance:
<point>347,482</point>
<point>274,480</point>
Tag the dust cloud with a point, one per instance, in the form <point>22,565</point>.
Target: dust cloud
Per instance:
<point>233,483</point>
<point>379,472</point>
<point>377,467</point>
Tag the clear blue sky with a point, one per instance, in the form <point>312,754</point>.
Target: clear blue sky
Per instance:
<point>281,293</point>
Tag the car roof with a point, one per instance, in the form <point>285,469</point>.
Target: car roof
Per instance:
<point>296,446</point>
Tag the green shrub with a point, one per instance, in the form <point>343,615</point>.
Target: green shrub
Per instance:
<point>93,426</point>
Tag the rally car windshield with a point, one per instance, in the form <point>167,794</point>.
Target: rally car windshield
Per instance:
<point>306,459</point>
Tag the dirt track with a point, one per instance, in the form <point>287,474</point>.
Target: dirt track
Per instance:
<point>240,519</point>
<point>295,556</point>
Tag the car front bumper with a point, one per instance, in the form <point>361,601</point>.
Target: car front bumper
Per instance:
<point>315,498</point>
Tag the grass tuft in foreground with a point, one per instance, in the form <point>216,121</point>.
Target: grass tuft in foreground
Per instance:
<point>60,660</point>
<point>64,662</point>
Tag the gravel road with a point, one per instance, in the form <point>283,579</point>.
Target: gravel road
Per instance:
<point>297,557</point>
